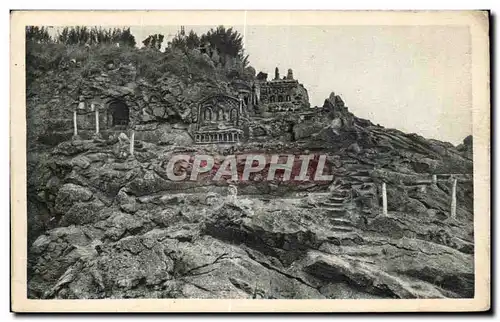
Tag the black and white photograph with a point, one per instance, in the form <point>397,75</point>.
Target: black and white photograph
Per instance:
<point>254,161</point>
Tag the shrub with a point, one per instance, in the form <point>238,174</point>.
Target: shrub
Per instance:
<point>226,41</point>
<point>37,34</point>
<point>182,57</point>
<point>95,35</point>
<point>153,41</point>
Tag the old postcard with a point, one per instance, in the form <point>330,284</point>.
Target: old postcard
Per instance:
<point>244,161</point>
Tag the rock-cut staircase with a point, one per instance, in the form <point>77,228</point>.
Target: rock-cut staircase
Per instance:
<point>355,176</point>
<point>335,205</point>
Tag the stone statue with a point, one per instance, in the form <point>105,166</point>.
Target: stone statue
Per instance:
<point>121,148</point>
<point>276,73</point>
<point>232,194</point>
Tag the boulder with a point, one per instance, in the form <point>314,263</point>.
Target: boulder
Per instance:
<point>123,137</point>
<point>80,161</point>
<point>386,226</point>
<point>82,213</point>
<point>69,194</point>
<point>336,124</point>
<point>70,148</point>
<point>126,203</point>
<point>166,218</point>
<point>414,206</point>
<point>175,137</point>
<point>447,268</point>
<point>364,277</point>
<point>354,148</point>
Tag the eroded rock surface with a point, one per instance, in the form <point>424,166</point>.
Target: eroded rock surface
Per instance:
<point>121,229</point>
<point>105,224</point>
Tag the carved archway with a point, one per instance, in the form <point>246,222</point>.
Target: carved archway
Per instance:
<point>120,113</point>
<point>233,115</point>
<point>207,114</point>
<point>215,109</point>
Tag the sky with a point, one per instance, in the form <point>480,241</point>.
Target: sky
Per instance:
<point>413,78</point>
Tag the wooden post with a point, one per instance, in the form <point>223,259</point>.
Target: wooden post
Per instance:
<point>75,126</point>
<point>96,120</point>
<point>132,142</point>
<point>384,199</point>
<point>454,199</point>
<point>352,196</point>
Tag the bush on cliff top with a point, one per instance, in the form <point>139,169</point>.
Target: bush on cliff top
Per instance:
<point>91,51</point>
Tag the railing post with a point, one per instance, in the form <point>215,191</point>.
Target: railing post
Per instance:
<point>352,197</point>
<point>453,213</point>
<point>132,136</point>
<point>75,126</point>
<point>384,199</point>
<point>434,179</point>
<point>96,119</point>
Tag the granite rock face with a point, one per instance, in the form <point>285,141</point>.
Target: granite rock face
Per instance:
<point>105,227</point>
<point>105,224</point>
<point>151,100</point>
<point>248,249</point>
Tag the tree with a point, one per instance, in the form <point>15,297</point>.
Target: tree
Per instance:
<point>180,41</point>
<point>153,41</point>
<point>81,35</point>
<point>192,40</point>
<point>63,36</point>
<point>126,38</point>
<point>226,41</point>
<point>38,34</point>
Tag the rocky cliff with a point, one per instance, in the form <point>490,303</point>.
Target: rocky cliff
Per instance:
<point>103,224</point>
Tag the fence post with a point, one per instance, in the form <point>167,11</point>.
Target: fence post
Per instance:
<point>384,199</point>
<point>132,136</point>
<point>454,199</point>
<point>97,119</point>
<point>75,126</point>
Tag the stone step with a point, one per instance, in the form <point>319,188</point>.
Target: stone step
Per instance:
<point>356,176</point>
<point>348,159</point>
<point>341,228</point>
<point>343,235</point>
<point>341,191</point>
<point>341,222</point>
<point>363,178</point>
<point>339,205</point>
<point>365,173</point>
<point>335,209</point>
<point>349,162</point>
<point>337,198</point>
<point>335,213</point>
<point>361,166</point>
